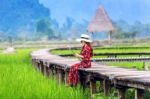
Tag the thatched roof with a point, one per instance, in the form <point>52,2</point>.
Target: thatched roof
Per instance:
<point>100,22</point>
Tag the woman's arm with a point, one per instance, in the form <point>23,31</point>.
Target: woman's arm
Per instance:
<point>85,55</point>
<point>79,56</point>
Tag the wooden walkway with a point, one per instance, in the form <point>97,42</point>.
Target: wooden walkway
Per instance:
<point>108,77</point>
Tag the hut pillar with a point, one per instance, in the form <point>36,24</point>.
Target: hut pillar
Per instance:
<point>110,38</point>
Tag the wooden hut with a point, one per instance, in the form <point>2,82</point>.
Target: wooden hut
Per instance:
<point>101,23</point>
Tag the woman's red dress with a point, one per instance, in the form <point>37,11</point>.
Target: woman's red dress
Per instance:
<point>87,53</point>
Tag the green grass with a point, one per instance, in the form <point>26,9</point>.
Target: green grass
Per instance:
<point>19,80</point>
<point>129,65</point>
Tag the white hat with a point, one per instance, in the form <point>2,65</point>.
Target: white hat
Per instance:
<point>85,38</point>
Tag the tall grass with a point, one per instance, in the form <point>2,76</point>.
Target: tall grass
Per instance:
<point>19,80</point>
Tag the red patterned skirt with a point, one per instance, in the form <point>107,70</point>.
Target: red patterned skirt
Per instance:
<point>73,77</point>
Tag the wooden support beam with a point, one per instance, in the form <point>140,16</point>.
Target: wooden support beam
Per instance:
<point>33,62</point>
<point>139,94</point>
<point>36,65</point>
<point>145,65</point>
<point>93,86</point>
<point>110,38</point>
<point>83,79</point>
<point>106,87</point>
<point>50,70</point>
<point>121,93</point>
<point>59,76</point>
<point>42,67</point>
<point>63,77</point>
<point>45,70</point>
<point>101,87</point>
<point>39,67</point>
<point>66,77</point>
<point>55,73</point>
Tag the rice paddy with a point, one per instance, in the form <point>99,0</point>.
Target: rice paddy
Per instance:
<point>19,80</point>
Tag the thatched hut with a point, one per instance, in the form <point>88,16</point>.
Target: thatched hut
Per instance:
<point>101,23</point>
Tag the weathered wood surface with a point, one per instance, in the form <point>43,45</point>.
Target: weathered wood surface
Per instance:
<point>114,75</point>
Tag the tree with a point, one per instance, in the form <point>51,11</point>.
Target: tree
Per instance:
<point>43,28</point>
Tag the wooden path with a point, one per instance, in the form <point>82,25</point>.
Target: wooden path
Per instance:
<point>108,77</point>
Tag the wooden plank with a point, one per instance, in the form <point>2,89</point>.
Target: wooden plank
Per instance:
<point>105,69</point>
<point>134,76</point>
<point>122,74</point>
<point>141,80</point>
<point>115,72</point>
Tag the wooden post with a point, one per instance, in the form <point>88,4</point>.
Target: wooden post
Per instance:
<point>42,67</point>
<point>109,38</point>
<point>35,64</point>
<point>145,65</point>
<point>63,76</point>
<point>83,79</point>
<point>50,70</point>
<point>55,73</point>
<point>45,70</point>
<point>93,86</point>
<point>59,76</point>
<point>106,87</point>
<point>66,77</point>
<point>39,66</point>
<point>101,88</point>
<point>121,93</point>
<point>139,94</point>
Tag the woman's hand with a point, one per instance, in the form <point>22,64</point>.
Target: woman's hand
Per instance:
<point>78,56</point>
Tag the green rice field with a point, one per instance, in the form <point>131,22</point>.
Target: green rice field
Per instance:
<point>19,80</point>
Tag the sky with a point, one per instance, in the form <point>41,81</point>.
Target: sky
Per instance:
<point>128,10</point>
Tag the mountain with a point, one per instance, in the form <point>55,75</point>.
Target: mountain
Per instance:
<point>18,15</point>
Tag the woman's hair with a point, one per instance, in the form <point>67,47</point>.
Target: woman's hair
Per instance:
<point>89,44</point>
